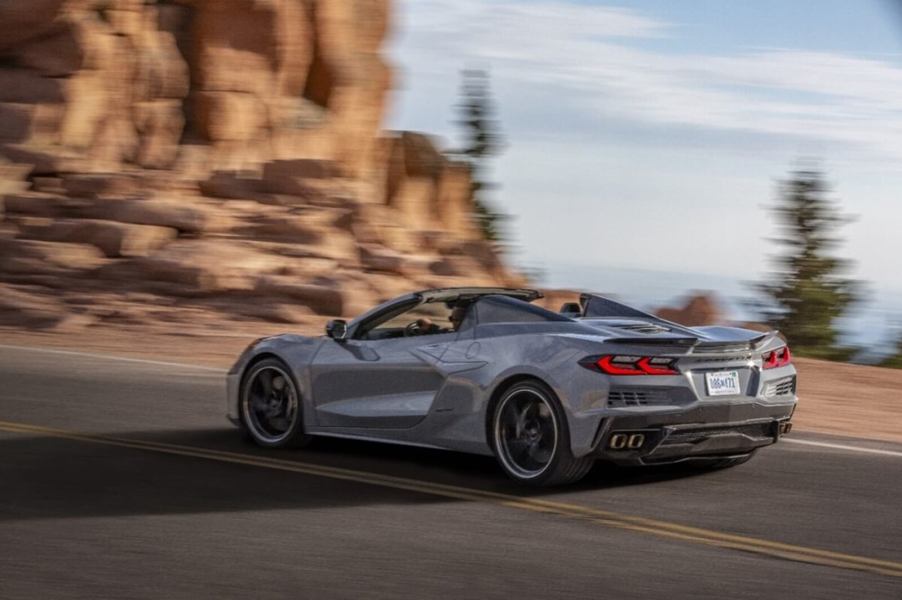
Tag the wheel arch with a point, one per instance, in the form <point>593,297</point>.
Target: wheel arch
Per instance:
<point>264,355</point>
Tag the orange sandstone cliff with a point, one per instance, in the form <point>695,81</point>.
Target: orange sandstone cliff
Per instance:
<point>217,157</point>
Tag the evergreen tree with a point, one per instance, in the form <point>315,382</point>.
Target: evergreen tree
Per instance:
<point>894,361</point>
<point>482,139</point>
<point>808,293</point>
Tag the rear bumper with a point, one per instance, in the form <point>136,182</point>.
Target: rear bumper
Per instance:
<point>706,431</point>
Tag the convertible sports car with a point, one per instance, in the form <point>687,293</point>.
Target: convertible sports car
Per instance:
<point>482,370</point>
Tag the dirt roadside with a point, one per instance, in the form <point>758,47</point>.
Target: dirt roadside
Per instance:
<point>838,399</point>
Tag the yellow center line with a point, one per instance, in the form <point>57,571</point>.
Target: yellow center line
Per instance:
<point>634,523</point>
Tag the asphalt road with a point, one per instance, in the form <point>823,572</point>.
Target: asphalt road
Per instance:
<point>121,479</point>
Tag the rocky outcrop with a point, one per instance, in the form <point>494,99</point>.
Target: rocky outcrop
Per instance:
<point>221,153</point>
<point>699,309</point>
<point>97,84</point>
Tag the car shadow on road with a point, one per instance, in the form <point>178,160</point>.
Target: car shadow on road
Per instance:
<point>49,477</point>
<point>426,464</point>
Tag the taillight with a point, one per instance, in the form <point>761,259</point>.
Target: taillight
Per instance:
<point>777,358</point>
<point>615,364</point>
<point>619,365</point>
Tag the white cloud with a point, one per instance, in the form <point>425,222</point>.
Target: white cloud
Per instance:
<point>590,56</point>
<point>610,118</point>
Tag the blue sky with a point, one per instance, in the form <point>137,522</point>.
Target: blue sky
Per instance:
<point>652,134</point>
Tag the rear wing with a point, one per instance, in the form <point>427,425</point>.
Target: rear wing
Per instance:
<point>700,344</point>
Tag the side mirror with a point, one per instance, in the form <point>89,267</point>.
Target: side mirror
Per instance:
<point>337,330</point>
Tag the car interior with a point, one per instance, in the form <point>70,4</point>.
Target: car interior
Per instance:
<point>439,317</point>
<point>427,318</point>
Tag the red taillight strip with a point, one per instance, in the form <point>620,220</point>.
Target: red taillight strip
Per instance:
<point>776,358</point>
<point>650,369</point>
<point>787,356</point>
<point>606,364</point>
<point>640,366</point>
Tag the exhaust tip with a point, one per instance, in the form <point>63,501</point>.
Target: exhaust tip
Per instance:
<point>785,428</point>
<point>626,441</point>
<point>635,441</point>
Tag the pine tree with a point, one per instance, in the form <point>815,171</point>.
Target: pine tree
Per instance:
<point>808,292</point>
<point>894,361</point>
<point>482,139</point>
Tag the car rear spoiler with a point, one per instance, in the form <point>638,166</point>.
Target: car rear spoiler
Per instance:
<point>698,343</point>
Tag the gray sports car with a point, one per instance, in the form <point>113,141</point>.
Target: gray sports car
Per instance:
<point>483,370</point>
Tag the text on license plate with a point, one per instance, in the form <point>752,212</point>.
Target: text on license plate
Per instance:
<point>723,383</point>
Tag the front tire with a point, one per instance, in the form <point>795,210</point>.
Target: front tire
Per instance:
<point>531,439</point>
<point>270,406</point>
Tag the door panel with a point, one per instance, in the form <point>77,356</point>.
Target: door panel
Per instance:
<point>388,383</point>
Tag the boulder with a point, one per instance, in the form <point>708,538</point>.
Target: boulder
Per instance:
<point>182,217</point>
<point>95,185</point>
<point>343,219</point>
<point>262,309</point>
<point>41,204</point>
<point>29,122</point>
<point>236,45</point>
<point>159,125</point>
<point>127,18</point>
<point>700,309</point>
<point>229,116</point>
<point>446,267</point>
<point>323,300</point>
<point>161,67</point>
<point>198,267</point>
<point>482,251</point>
<point>43,159</point>
<point>230,185</point>
<point>48,185</point>
<point>88,104</point>
<point>454,201</point>
<point>262,49</point>
<point>58,55</point>
<point>297,177</point>
<point>114,141</point>
<point>339,253</point>
<point>286,228</point>
<point>33,256</point>
<point>23,307</point>
<point>25,85</point>
<point>12,178</point>
<point>419,155</point>
<point>414,180</point>
<point>375,258</point>
<point>112,238</point>
<point>23,21</point>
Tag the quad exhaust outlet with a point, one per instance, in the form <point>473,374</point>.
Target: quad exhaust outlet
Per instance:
<point>626,441</point>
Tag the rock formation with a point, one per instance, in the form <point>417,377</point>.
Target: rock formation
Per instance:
<point>221,154</point>
<point>700,309</point>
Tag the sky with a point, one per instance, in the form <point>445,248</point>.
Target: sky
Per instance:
<point>653,134</point>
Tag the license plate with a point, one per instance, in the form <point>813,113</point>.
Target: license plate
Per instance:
<point>723,383</point>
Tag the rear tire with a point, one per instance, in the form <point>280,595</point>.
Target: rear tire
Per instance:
<point>531,439</point>
<point>270,406</point>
